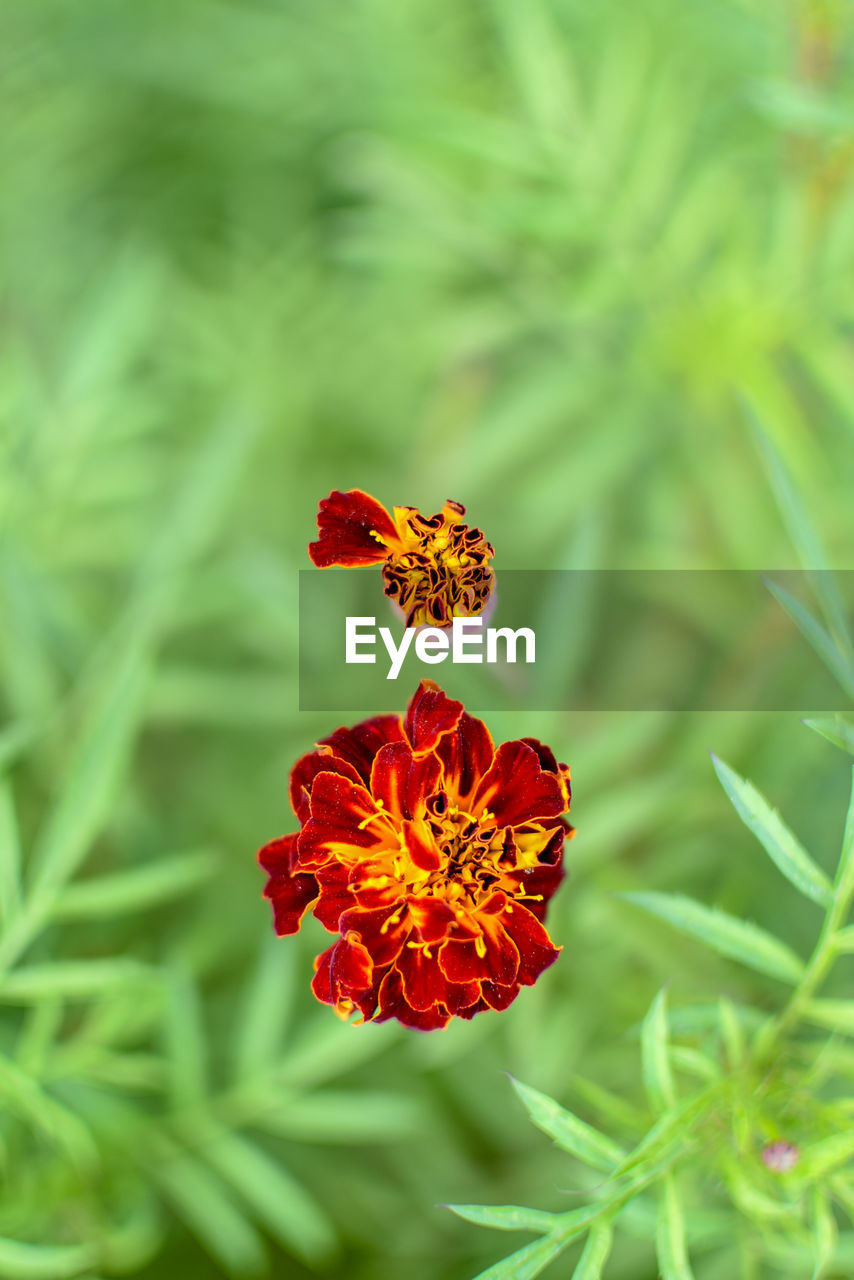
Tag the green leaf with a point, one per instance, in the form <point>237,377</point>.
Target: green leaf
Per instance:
<point>732,1034</point>
<point>731,937</point>
<point>779,842</point>
<point>185,1041</point>
<point>821,642</point>
<point>670,1245</point>
<point>337,1116</point>
<point>596,1252</point>
<point>822,1158</point>
<point>824,1232</point>
<point>286,1209</point>
<point>506,1217</point>
<point>10,856</point>
<point>134,890</point>
<point>844,883</point>
<point>19,1261</point>
<point>266,1009</point>
<point>526,1263</point>
<point>568,1132</point>
<point>835,730</point>
<point>836,1015</point>
<point>210,1213</point>
<point>74,979</point>
<point>657,1075</point>
<point>843,939</point>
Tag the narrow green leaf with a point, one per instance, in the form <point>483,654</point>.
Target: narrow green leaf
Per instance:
<point>824,1232</point>
<point>835,730</point>
<point>286,1209</point>
<point>19,1261</point>
<point>836,1015</point>
<point>782,846</point>
<point>266,1009</point>
<point>74,979</point>
<point>693,1062</point>
<point>657,1075</point>
<point>844,883</point>
<point>816,635</point>
<point>568,1132</point>
<point>591,1264</point>
<point>734,938</point>
<point>843,939</point>
<point>822,1158</point>
<point>526,1263</point>
<point>10,856</point>
<point>136,889</point>
<point>505,1217</point>
<point>185,1041</point>
<point>210,1213</point>
<point>732,1034</point>
<point>337,1116</point>
<point>670,1244</point>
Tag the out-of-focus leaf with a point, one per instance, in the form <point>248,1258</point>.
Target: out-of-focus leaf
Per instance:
<point>505,1217</point>
<point>821,1158</point>
<point>20,1261</point>
<point>134,890</point>
<point>528,1262</point>
<point>844,883</point>
<point>185,1041</point>
<point>836,1015</point>
<point>657,1074</point>
<point>670,1244</point>
<point>287,1210</point>
<point>824,1232</point>
<point>823,644</point>
<point>10,856</point>
<point>734,938</point>
<point>568,1132</point>
<point>74,979</point>
<point>266,1009</point>
<point>836,730</point>
<point>597,1250</point>
<point>338,1116</point>
<point>782,846</point>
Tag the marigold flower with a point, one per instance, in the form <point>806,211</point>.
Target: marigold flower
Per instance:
<point>432,854</point>
<point>435,568</point>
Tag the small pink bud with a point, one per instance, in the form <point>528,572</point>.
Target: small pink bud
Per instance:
<point>780,1157</point>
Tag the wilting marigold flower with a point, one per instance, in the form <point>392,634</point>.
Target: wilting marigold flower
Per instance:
<point>432,854</point>
<point>434,567</point>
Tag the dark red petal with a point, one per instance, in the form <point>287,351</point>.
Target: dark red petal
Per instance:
<point>545,754</point>
<point>424,983</point>
<point>432,917</point>
<point>382,931</point>
<point>306,770</point>
<point>421,845</point>
<point>372,886</point>
<point>359,745</point>
<point>277,856</point>
<point>499,963</point>
<point>540,883</point>
<point>516,789</point>
<point>344,821</point>
<point>321,983</point>
<point>335,895</point>
<point>401,782</point>
<point>343,973</point>
<point>347,523</point>
<point>290,894</point>
<point>466,754</point>
<point>393,1004</point>
<point>430,714</point>
<point>499,997</point>
<point>536,951</point>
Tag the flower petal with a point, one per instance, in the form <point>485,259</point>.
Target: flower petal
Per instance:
<point>354,529</point>
<point>344,822</point>
<point>466,754</point>
<point>430,714</point>
<point>536,950</point>
<point>421,845</point>
<point>359,744</point>
<point>393,1004</point>
<point>516,789</point>
<point>343,973</point>
<point>290,894</point>
<point>382,931</point>
<point>402,782</point>
<point>333,880</point>
<point>306,770</point>
<point>490,957</point>
<point>432,917</point>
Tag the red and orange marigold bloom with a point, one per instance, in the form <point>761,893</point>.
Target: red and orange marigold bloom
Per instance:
<point>432,854</point>
<point>435,568</point>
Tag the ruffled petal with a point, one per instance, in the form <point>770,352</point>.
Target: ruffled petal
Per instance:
<point>354,529</point>
<point>430,714</point>
<point>333,880</point>
<point>492,956</point>
<point>306,770</point>
<point>516,789</point>
<point>401,782</point>
<point>466,754</point>
<point>290,893</point>
<point>392,1003</point>
<point>343,973</point>
<point>344,823</point>
<point>383,932</point>
<point>535,947</point>
<point>359,744</point>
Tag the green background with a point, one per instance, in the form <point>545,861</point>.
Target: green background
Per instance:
<point>546,258</point>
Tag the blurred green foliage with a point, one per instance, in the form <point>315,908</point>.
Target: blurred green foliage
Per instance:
<point>537,257</point>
